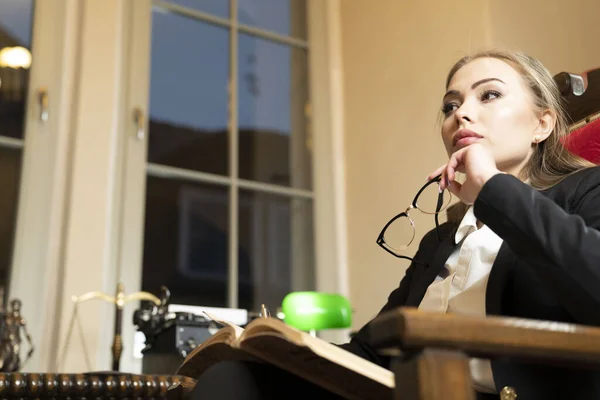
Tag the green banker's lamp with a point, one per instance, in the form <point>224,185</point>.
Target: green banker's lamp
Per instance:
<point>313,311</point>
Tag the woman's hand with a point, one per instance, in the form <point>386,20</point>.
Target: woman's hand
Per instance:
<point>477,163</point>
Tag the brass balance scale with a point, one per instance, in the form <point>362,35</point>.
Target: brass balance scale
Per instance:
<point>119,300</point>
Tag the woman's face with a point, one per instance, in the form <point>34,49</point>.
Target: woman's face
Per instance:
<point>487,102</point>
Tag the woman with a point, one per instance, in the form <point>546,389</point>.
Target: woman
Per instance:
<point>526,243</point>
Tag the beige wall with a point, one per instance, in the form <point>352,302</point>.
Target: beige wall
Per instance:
<point>395,58</point>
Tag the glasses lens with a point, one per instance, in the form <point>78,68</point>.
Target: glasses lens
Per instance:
<point>428,199</point>
<point>400,234</point>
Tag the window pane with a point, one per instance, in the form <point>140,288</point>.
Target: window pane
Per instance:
<point>276,254</point>
<point>15,59</point>
<point>188,94</point>
<point>10,172</point>
<point>186,242</point>
<point>273,143</point>
<point>219,8</point>
<point>286,17</point>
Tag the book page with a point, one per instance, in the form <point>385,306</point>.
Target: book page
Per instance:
<point>271,340</point>
<point>236,329</point>
<point>199,361</point>
<point>321,348</point>
<point>333,372</point>
<point>222,346</point>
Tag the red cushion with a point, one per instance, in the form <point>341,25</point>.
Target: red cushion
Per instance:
<point>585,142</point>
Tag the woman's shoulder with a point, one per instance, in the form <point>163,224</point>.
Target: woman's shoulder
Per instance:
<point>581,180</point>
<point>576,186</point>
<point>591,175</point>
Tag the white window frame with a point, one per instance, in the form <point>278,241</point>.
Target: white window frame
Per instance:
<point>37,252</point>
<point>68,234</point>
<point>81,206</point>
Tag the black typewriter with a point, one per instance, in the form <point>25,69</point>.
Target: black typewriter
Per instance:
<point>171,336</point>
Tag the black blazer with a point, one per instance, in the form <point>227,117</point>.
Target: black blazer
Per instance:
<point>548,268</point>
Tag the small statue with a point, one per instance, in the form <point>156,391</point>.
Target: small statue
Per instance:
<point>10,338</point>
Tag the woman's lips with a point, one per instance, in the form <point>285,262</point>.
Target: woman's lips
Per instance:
<point>465,141</point>
<point>464,137</point>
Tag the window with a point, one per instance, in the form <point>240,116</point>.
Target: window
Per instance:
<point>229,192</point>
<point>226,172</point>
<point>15,61</point>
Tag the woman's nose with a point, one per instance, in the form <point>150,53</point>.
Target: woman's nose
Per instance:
<point>463,114</point>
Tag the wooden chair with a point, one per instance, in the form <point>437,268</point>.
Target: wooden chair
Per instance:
<point>433,349</point>
<point>581,94</point>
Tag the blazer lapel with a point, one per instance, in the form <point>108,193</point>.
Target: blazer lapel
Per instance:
<point>434,266</point>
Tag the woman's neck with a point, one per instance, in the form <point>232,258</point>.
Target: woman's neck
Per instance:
<point>517,170</point>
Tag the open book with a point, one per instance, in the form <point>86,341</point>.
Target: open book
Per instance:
<point>271,341</point>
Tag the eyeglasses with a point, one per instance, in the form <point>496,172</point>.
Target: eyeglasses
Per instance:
<point>399,232</point>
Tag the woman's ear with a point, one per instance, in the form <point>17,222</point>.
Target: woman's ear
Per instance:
<point>546,123</point>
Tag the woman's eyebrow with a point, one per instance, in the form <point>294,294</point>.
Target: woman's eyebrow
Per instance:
<point>473,86</point>
<point>481,82</point>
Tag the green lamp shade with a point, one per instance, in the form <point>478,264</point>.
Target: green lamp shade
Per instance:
<point>316,311</point>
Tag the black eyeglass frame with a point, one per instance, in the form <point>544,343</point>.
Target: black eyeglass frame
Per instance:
<point>380,239</point>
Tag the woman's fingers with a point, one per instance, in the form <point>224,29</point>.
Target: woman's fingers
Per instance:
<point>455,164</point>
<point>455,188</point>
<point>436,172</point>
<point>447,174</point>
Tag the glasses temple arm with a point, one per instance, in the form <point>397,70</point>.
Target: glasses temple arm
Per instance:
<point>440,202</point>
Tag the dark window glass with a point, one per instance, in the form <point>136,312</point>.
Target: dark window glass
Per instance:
<point>10,172</point>
<point>276,250</point>
<point>15,61</point>
<point>188,94</point>
<point>274,145</point>
<point>186,241</point>
<point>219,8</point>
<point>285,17</point>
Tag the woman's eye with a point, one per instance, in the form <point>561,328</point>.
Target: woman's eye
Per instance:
<point>490,95</point>
<point>449,107</point>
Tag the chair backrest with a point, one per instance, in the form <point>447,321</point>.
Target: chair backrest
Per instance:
<point>581,93</point>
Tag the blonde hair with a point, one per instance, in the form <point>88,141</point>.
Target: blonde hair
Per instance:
<point>550,161</point>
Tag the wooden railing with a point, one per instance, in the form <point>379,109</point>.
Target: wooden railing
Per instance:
<point>103,385</point>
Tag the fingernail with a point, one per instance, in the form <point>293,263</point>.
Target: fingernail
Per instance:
<point>440,188</point>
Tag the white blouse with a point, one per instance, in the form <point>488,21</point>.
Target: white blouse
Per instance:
<point>460,287</point>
